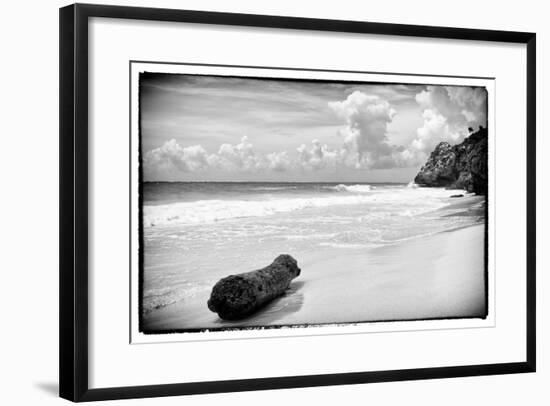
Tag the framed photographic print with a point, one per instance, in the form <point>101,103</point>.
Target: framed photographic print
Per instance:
<point>238,191</point>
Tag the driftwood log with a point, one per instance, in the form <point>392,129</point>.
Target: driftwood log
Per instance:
<point>238,296</point>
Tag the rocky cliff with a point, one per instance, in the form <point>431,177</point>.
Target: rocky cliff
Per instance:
<point>461,166</point>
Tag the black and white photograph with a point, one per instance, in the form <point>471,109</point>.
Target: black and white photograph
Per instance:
<point>275,203</point>
<point>271,202</point>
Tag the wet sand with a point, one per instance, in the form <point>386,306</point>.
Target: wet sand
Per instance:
<point>436,276</point>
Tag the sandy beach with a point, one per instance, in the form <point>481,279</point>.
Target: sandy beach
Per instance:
<point>436,276</point>
<point>377,190</point>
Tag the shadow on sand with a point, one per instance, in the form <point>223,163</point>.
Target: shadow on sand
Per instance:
<point>290,302</point>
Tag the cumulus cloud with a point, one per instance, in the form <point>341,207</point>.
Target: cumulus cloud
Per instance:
<point>238,157</point>
<point>318,156</point>
<point>448,111</point>
<point>279,161</point>
<point>365,135</point>
<point>364,144</point>
<point>172,156</point>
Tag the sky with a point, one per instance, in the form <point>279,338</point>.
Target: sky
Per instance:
<point>214,128</point>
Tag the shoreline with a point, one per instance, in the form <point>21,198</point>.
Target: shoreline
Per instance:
<point>421,278</point>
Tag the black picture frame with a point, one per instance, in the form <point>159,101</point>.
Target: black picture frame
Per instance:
<point>73,254</point>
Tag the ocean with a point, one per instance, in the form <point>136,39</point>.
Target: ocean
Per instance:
<point>195,233</point>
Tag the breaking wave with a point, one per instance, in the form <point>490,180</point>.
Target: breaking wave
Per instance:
<point>351,188</point>
<point>408,201</point>
<point>207,211</point>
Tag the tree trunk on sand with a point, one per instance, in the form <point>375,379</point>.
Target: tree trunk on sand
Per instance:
<point>238,296</point>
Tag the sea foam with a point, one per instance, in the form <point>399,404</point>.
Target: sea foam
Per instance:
<point>351,188</point>
<point>206,211</point>
<point>409,200</point>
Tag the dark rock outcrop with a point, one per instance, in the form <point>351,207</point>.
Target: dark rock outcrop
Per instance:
<point>238,296</point>
<point>462,166</point>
